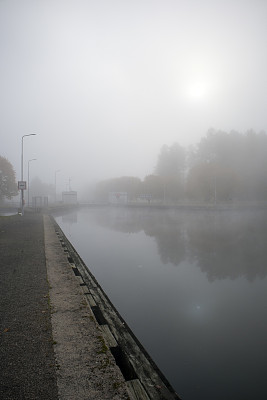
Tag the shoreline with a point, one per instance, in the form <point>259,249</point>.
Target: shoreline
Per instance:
<point>9,210</point>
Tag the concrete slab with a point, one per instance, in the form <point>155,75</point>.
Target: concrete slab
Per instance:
<point>85,367</point>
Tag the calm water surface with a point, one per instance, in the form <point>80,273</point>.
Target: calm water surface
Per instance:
<point>192,287</point>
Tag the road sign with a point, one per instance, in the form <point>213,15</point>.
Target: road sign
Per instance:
<point>22,185</point>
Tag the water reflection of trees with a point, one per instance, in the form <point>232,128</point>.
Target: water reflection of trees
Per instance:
<point>230,245</point>
<point>167,231</point>
<point>224,245</point>
<point>169,236</point>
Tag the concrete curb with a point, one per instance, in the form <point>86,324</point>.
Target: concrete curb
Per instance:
<point>85,367</point>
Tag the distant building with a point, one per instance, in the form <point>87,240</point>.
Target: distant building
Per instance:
<point>69,197</point>
<point>118,197</point>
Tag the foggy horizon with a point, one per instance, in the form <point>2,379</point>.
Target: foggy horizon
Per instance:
<point>105,84</point>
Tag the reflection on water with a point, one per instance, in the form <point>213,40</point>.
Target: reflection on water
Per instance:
<point>224,245</point>
<point>230,246</point>
<point>192,286</point>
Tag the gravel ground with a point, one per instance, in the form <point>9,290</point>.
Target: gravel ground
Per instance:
<point>26,345</point>
<point>50,344</point>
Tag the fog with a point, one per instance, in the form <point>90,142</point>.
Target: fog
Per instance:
<point>104,84</point>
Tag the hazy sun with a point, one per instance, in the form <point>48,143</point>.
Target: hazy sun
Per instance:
<point>197,90</point>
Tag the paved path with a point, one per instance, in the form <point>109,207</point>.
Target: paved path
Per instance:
<point>39,360</point>
<point>26,349</point>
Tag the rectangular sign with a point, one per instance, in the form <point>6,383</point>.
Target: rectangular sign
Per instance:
<point>22,185</point>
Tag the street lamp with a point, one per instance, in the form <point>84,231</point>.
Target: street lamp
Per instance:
<point>22,190</point>
<point>58,170</point>
<point>33,159</point>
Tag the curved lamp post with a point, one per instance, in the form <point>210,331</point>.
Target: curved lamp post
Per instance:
<point>33,159</point>
<point>22,190</point>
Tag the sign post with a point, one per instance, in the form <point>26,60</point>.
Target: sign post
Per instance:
<point>22,185</point>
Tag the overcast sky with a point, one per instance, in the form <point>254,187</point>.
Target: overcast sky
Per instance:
<point>105,83</point>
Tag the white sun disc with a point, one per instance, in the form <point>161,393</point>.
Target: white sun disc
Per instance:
<point>197,90</point>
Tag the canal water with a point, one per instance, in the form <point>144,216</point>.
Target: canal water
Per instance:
<point>191,286</point>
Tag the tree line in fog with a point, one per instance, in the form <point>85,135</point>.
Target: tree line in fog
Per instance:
<point>221,167</point>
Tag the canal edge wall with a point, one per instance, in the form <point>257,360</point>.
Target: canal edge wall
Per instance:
<point>143,378</point>
<point>85,369</point>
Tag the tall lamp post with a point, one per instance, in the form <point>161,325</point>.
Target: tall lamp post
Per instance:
<point>22,190</point>
<point>58,170</point>
<point>33,159</point>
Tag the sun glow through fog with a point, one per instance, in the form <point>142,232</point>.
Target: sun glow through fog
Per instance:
<point>198,90</point>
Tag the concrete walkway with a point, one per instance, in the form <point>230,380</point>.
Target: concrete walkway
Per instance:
<point>50,344</point>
